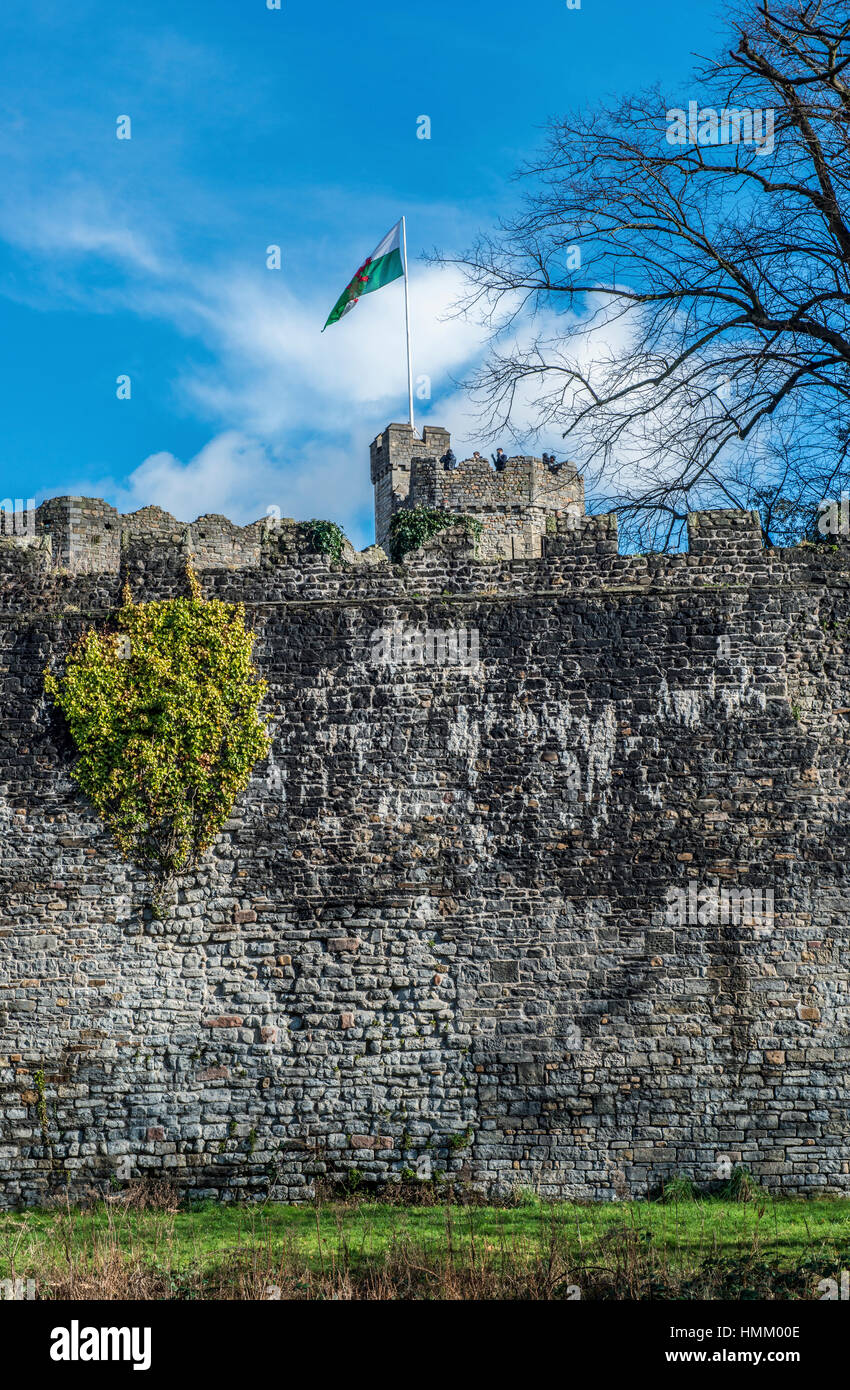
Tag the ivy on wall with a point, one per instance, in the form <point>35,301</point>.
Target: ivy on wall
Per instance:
<point>325,537</point>
<point>411,526</point>
<point>164,714</point>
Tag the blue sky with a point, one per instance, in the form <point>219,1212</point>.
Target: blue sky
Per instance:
<point>251,127</point>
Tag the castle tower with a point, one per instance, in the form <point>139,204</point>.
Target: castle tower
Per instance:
<point>392,455</point>
<point>512,504</point>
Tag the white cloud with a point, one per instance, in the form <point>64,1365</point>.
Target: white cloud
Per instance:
<point>77,222</point>
<point>232,474</point>
<point>297,407</point>
<point>277,370</point>
<point>292,409</point>
<point>240,477</point>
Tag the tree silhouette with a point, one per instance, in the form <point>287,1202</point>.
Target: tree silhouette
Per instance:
<point>673,293</point>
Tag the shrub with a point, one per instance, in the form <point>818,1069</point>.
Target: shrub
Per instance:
<point>325,537</point>
<point>411,526</point>
<point>679,1189</point>
<point>168,733</point>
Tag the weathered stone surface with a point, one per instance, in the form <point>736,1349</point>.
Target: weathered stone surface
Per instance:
<point>435,933</point>
<point>512,505</point>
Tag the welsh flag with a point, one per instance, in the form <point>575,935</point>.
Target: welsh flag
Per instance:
<point>384,264</point>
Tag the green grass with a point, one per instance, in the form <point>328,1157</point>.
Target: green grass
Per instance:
<point>782,1228</point>
<point>674,1249</point>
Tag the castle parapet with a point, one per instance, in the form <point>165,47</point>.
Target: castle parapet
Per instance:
<point>598,535</point>
<point>725,533</point>
<point>512,502</point>
<point>84,533</point>
<point>526,508</point>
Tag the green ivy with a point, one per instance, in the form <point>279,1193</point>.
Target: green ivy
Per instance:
<point>167,732</point>
<point>325,538</point>
<point>411,526</point>
<point>460,1141</point>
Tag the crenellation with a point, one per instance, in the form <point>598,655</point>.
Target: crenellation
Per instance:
<point>215,541</point>
<point>512,503</point>
<point>520,519</point>
<point>151,523</point>
<point>461,919</point>
<point>87,536</point>
<point>81,531</point>
<point>722,531</point>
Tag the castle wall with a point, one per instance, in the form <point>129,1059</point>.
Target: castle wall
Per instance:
<point>436,934</point>
<point>391,457</point>
<point>84,532</point>
<point>512,504</point>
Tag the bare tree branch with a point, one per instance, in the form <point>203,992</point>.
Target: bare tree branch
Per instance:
<point>679,311</point>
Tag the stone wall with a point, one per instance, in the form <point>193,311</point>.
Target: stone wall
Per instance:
<point>436,933</point>
<point>87,536</point>
<point>512,504</point>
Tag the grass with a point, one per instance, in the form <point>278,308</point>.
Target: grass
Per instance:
<point>681,1247</point>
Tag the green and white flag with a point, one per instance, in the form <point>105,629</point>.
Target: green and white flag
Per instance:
<point>384,265</point>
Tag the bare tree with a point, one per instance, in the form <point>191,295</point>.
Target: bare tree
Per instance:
<point>673,294</point>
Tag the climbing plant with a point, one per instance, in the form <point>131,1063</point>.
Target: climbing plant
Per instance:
<point>411,526</point>
<point>325,537</point>
<point>164,714</point>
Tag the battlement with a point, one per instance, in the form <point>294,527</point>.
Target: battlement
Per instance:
<point>482,870</point>
<point>88,536</point>
<point>512,503</point>
<point>527,509</point>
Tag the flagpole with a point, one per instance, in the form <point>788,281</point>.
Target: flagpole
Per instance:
<point>407,322</point>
